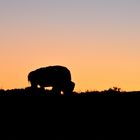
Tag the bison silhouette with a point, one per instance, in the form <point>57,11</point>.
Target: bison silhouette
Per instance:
<point>57,77</point>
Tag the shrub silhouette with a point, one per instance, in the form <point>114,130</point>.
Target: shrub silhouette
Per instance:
<point>39,92</point>
<point>57,77</point>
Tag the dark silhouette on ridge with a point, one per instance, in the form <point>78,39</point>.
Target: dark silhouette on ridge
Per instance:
<point>29,91</point>
<point>57,77</point>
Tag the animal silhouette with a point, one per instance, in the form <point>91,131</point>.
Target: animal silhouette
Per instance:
<point>57,77</point>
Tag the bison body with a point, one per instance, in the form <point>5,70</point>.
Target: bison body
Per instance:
<point>57,77</point>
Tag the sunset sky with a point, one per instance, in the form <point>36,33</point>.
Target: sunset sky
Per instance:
<point>98,40</point>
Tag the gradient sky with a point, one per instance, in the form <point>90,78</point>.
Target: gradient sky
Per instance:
<point>98,40</point>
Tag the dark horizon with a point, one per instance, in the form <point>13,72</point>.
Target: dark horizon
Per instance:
<point>28,91</point>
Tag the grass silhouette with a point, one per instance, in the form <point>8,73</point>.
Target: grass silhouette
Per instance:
<point>94,119</point>
<point>28,91</point>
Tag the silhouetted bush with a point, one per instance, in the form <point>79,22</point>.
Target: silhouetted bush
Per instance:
<point>28,91</point>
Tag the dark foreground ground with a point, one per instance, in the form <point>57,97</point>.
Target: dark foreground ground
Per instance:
<point>92,118</point>
<point>46,93</point>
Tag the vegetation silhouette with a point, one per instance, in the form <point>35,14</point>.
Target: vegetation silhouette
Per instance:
<point>29,91</point>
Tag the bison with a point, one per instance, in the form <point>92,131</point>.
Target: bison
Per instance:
<point>57,77</point>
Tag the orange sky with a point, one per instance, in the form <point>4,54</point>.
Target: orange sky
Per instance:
<point>100,54</point>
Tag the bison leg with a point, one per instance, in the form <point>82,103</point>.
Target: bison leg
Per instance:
<point>42,87</point>
<point>56,90</point>
<point>69,87</point>
<point>33,85</point>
